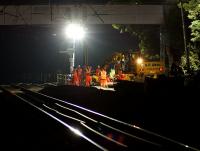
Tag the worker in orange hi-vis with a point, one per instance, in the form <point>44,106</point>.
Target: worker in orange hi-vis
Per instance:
<point>88,78</point>
<point>103,76</point>
<point>98,70</point>
<point>121,76</point>
<point>79,72</point>
<point>75,77</point>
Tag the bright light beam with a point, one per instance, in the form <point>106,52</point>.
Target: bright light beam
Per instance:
<point>76,131</point>
<point>139,61</point>
<point>75,31</point>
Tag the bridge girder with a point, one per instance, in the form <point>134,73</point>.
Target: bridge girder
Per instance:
<point>87,14</point>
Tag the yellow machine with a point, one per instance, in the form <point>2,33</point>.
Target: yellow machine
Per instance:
<point>150,68</point>
<point>137,66</point>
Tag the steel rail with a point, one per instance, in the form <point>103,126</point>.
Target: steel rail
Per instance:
<point>70,117</point>
<point>89,128</point>
<point>116,120</point>
<point>121,122</point>
<point>71,128</point>
<point>111,127</point>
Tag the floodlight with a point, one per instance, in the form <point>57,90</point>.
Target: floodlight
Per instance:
<point>75,31</point>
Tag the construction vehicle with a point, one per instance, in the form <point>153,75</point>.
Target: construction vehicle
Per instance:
<point>150,68</point>
<point>133,66</point>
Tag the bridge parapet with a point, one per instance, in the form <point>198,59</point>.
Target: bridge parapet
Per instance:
<point>88,14</point>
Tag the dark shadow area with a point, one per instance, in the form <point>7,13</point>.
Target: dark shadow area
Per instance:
<point>163,105</point>
<point>25,128</point>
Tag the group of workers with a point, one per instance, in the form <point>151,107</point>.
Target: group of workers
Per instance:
<point>83,76</point>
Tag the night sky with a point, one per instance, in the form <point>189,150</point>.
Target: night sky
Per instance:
<point>35,49</point>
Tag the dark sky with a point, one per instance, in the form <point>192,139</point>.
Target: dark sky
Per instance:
<point>103,40</point>
<point>36,49</point>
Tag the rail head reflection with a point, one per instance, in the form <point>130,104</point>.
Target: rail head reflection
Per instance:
<point>76,131</point>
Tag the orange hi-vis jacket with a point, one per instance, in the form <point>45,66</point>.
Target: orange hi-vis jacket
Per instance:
<point>103,75</point>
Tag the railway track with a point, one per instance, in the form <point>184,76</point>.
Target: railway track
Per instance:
<point>99,131</point>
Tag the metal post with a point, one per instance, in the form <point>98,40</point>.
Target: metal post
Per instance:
<point>162,52</point>
<point>72,56</point>
<point>86,54</point>
<point>184,38</point>
<point>74,48</point>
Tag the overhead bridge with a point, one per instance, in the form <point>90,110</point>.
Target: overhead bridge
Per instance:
<point>87,14</point>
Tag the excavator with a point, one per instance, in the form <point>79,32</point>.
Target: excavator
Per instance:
<point>132,66</point>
